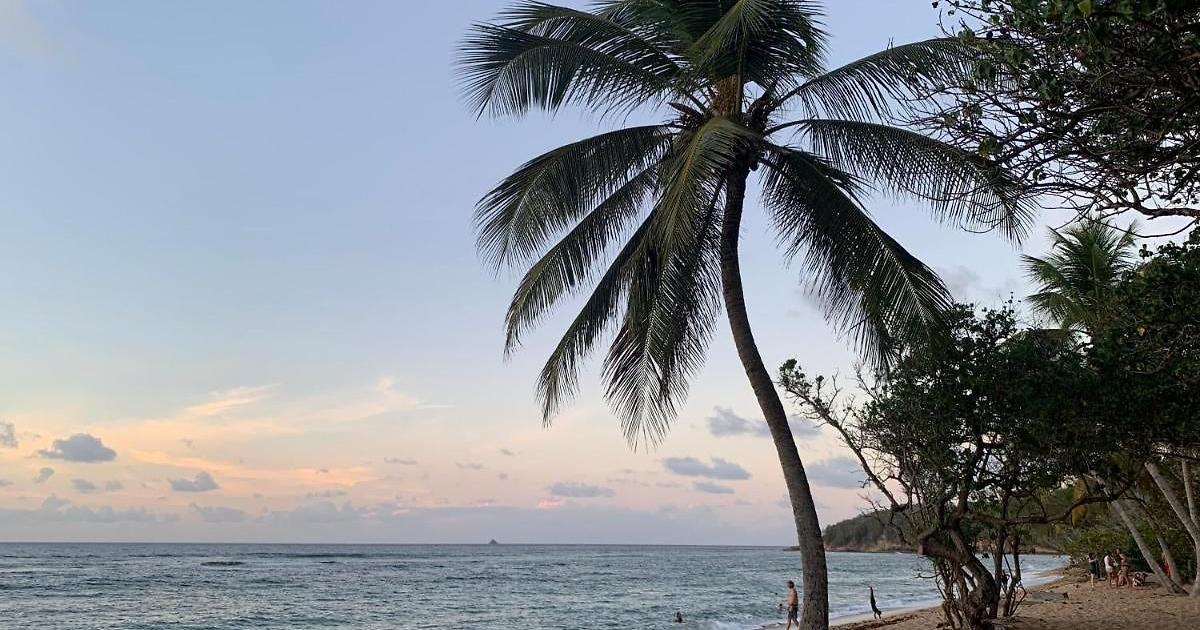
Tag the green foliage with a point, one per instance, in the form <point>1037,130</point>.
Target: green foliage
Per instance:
<point>1077,279</point>
<point>631,219</point>
<point>1092,101</point>
<point>1148,354</point>
<point>986,427</point>
<point>866,532</point>
<point>994,411</point>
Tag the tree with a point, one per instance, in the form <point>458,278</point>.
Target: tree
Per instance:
<point>1076,281</point>
<point>1149,356</point>
<point>1140,320</point>
<point>1095,103</point>
<point>649,217</point>
<point>967,442</point>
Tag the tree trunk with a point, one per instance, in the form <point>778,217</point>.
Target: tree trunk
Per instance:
<point>815,608</point>
<point>1168,558</point>
<point>1184,517</point>
<point>1186,469</point>
<point>1167,582</point>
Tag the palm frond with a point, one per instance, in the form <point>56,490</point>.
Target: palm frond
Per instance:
<point>694,169</point>
<point>871,287</point>
<point>552,191</point>
<point>1076,279</point>
<point>506,70</point>
<point>571,262</point>
<point>559,377</point>
<point>767,42</point>
<point>960,187</point>
<point>625,40</point>
<point>673,301</point>
<point>873,86</point>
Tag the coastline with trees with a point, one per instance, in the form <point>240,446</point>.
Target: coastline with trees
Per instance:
<point>1063,421</point>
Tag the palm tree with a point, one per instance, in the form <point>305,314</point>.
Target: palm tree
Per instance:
<point>648,217</point>
<point>1076,280</point>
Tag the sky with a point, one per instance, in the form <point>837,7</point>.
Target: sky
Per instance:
<point>241,300</point>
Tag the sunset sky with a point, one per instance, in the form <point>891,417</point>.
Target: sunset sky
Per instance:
<point>241,301</point>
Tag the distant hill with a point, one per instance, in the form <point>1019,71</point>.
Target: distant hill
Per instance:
<point>866,532</point>
<point>870,532</point>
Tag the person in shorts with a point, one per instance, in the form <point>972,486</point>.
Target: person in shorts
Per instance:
<point>793,606</point>
<point>1093,568</point>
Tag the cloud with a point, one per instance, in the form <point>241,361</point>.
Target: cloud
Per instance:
<point>507,452</point>
<point>470,466</point>
<point>724,422</point>
<point>401,462</point>
<point>842,472</point>
<point>21,31</point>
<point>43,474</point>
<point>216,514</point>
<point>219,403</point>
<point>83,486</point>
<point>8,435</point>
<point>712,488</point>
<point>502,476</point>
<point>202,482</point>
<point>5,482</point>
<point>319,512</point>
<point>80,447</point>
<point>959,280</point>
<point>692,467</point>
<point>326,494</point>
<point>56,510</point>
<point>573,490</point>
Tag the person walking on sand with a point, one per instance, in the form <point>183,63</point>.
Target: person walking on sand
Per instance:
<point>793,606</point>
<point>874,608</point>
<point>1093,568</point>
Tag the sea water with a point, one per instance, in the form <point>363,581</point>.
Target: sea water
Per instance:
<point>373,587</point>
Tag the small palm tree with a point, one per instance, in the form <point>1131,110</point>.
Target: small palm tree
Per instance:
<point>1076,280</point>
<point>648,217</point>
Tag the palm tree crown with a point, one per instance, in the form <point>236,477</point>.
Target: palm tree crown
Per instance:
<point>634,215</point>
<point>1075,281</point>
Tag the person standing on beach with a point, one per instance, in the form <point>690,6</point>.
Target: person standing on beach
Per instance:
<point>793,606</point>
<point>1093,568</point>
<point>1110,571</point>
<point>874,609</point>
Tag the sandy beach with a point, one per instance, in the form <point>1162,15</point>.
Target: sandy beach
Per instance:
<point>1068,605</point>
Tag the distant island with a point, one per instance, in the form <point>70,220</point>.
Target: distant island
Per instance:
<point>865,532</point>
<point>870,533</point>
<point>493,542</point>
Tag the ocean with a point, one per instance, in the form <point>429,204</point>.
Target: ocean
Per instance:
<point>375,587</point>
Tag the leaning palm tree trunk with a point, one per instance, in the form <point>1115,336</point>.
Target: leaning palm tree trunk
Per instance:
<point>815,611</point>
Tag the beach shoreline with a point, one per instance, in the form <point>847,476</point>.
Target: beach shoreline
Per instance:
<point>891,616</point>
<point>1066,603</point>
